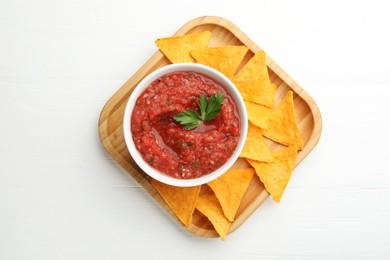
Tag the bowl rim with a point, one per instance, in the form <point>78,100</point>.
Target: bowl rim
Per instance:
<point>180,67</point>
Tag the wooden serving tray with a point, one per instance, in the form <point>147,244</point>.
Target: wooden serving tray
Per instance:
<point>223,32</point>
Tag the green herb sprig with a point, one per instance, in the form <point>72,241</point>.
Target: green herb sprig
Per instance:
<point>209,109</point>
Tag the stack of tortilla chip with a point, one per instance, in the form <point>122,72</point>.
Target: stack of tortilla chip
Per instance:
<point>267,120</point>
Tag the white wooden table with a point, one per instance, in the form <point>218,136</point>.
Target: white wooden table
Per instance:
<point>63,197</point>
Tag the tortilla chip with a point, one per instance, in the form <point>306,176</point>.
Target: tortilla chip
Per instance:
<point>230,188</point>
<point>255,147</point>
<point>275,175</point>
<point>254,83</point>
<point>258,114</point>
<point>209,206</point>
<point>282,124</point>
<point>181,200</point>
<point>225,59</point>
<point>178,48</point>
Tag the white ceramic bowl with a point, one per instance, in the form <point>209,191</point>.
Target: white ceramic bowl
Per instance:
<point>177,67</point>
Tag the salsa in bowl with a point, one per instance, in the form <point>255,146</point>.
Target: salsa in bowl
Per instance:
<point>185,124</point>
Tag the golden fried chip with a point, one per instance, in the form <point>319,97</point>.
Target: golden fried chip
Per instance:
<point>224,59</point>
<point>275,175</point>
<point>282,124</point>
<point>255,147</point>
<point>178,48</point>
<point>254,83</point>
<point>181,200</point>
<point>209,206</point>
<point>258,114</point>
<point>230,188</point>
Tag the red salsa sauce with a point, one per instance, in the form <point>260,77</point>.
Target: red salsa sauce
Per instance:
<point>169,147</point>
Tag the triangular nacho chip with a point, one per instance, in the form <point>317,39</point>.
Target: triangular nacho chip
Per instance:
<point>225,59</point>
<point>209,206</point>
<point>255,147</point>
<point>258,114</point>
<point>230,188</point>
<point>178,48</point>
<point>282,124</point>
<point>275,175</point>
<point>254,83</point>
<point>181,200</point>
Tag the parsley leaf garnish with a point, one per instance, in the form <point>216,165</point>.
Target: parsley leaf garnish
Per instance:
<point>189,119</point>
<point>209,109</point>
